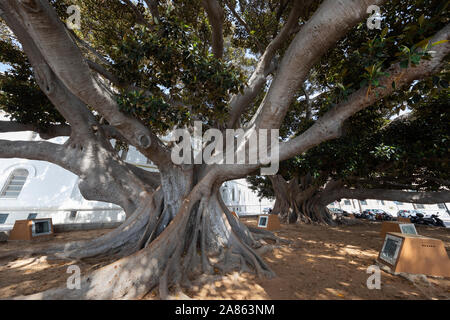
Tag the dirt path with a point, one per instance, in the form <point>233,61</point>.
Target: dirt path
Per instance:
<point>321,263</point>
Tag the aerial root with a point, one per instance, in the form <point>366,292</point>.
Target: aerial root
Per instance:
<point>120,242</point>
<point>249,255</point>
<point>178,294</point>
<point>260,234</point>
<point>192,256</point>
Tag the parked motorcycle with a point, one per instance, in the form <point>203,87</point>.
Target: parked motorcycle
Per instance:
<point>434,220</point>
<point>418,219</point>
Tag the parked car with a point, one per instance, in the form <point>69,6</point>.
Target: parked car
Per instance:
<point>369,214</point>
<point>411,213</point>
<point>339,212</point>
<point>357,214</point>
<point>382,215</point>
<point>405,213</point>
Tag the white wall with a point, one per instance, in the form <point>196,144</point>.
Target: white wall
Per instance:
<point>391,207</point>
<point>245,201</point>
<point>50,191</point>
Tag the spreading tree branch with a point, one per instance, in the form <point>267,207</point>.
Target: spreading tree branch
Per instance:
<point>66,61</point>
<point>53,131</point>
<point>38,150</point>
<point>329,126</point>
<point>329,23</point>
<point>87,46</point>
<point>239,103</point>
<point>46,133</point>
<point>104,73</point>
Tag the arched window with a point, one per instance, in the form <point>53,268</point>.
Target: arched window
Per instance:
<point>14,184</point>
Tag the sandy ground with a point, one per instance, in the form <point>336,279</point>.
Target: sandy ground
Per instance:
<point>320,263</point>
<point>34,273</point>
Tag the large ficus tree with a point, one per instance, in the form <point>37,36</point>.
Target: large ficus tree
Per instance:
<point>405,159</point>
<point>136,69</point>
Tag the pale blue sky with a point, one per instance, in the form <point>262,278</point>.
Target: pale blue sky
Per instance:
<point>3,67</point>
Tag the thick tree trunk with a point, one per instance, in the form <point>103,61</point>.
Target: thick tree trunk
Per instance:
<point>203,237</point>
<point>284,205</point>
<point>299,202</point>
<point>170,236</point>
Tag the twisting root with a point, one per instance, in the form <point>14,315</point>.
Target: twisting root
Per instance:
<point>123,240</point>
<point>195,254</point>
<point>260,234</point>
<point>119,242</point>
<point>202,238</point>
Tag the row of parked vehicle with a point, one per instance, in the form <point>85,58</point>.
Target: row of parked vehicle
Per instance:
<point>419,217</point>
<point>375,215</point>
<point>416,216</point>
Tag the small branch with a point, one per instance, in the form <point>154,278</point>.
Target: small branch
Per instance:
<point>153,7</point>
<point>215,16</point>
<point>45,133</point>
<point>88,47</point>
<point>105,73</point>
<point>140,18</point>
<point>308,103</point>
<point>244,24</point>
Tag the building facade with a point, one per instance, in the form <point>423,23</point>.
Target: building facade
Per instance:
<point>392,207</point>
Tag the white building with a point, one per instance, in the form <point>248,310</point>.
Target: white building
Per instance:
<point>392,207</point>
<point>39,189</point>
<point>242,200</point>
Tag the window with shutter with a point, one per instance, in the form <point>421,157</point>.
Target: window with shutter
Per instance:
<point>14,184</point>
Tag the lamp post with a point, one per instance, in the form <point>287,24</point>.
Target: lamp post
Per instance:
<point>446,209</point>
<point>360,208</point>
